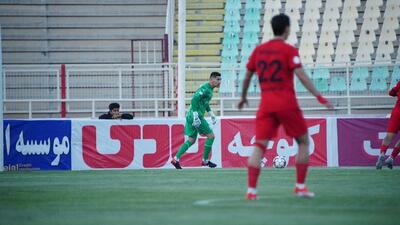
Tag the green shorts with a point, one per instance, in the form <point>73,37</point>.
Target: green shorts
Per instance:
<point>192,132</point>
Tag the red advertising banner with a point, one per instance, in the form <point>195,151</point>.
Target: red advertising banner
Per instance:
<point>237,139</point>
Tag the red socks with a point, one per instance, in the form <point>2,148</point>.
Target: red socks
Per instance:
<point>384,149</point>
<point>301,172</point>
<point>253,174</point>
<point>395,152</point>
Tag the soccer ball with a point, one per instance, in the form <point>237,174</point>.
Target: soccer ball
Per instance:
<point>279,162</point>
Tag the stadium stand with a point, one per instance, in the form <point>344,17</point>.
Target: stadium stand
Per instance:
<point>50,32</point>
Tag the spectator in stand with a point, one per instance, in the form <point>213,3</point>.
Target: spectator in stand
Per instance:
<point>114,113</point>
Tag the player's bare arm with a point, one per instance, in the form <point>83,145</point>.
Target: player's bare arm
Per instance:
<point>310,87</point>
<point>246,83</point>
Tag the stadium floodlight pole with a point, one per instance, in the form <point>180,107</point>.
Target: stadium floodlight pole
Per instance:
<point>1,107</point>
<point>181,57</point>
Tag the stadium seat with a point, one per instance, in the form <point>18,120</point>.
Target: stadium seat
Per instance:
<point>230,38</point>
<point>309,37</point>
<point>227,81</point>
<point>348,24</point>
<point>333,4</point>
<point>310,25</point>
<point>229,50</point>
<point>349,12</point>
<point>395,76</point>
<point>355,3</point>
<point>378,84</point>
<point>380,72</point>
<point>321,84</point>
<point>231,26</point>
<point>253,4</point>
<point>331,13</point>
<point>293,13</point>
<point>250,38</point>
<point>338,83</point>
<point>252,26</point>
<point>252,14</point>
<point>299,86</point>
<point>273,4</point>
<point>385,48</point>
<point>232,15</point>
<point>371,11</point>
<point>233,4</point>
<point>228,60</point>
<point>293,4</point>
<point>358,84</point>
<point>321,73</point>
<point>360,72</point>
<point>373,3</point>
<point>247,49</point>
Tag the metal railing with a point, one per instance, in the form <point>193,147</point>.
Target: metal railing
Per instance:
<point>150,91</point>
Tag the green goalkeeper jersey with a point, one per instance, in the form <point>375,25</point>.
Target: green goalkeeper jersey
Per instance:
<point>201,100</point>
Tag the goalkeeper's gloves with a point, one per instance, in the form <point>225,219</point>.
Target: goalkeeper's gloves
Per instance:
<point>213,118</point>
<point>196,120</point>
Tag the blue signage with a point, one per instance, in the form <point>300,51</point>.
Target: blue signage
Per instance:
<point>37,145</point>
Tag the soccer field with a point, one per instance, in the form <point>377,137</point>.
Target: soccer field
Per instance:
<point>198,196</point>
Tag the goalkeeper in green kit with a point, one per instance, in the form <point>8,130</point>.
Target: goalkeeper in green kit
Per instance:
<point>195,122</point>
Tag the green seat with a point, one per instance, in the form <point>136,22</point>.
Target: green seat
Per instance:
<point>228,60</point>
<point>229,50</point>
<point>321,73</point>
<point>358,83</point>
<point>378,84</point>
<point>381,72</point>
<point>232,15</point>
<point>227,81</point>
<point>395,76</point>
<point>360,72</point>
<point>253,4</point>
<point>247,49</point>
<point>233,4</point>
<point>251,26</point>
<point>337,84</point>
<point>250,38</point>
<point>321,84</point>
<point>230,38</point>
<point>231,26</point>
<point>252,14</point>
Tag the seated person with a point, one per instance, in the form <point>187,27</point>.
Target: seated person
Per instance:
<point>114,113</point>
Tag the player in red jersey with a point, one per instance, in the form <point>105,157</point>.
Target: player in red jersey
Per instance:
<point>392,128</point>
<point>275,62</point>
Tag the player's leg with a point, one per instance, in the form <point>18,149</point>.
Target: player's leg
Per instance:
<point>395,152</point>
<point>384,146</point>
<point>191,132</point>
<point>206,130</point>
<point>302,158</point>
<point>253,168</point>
<point>295,126</point>
<point>393,127</point>
<point>266,128</point>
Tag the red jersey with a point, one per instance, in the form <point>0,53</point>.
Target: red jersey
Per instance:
<point>274,63</point>
<point>395,92</point>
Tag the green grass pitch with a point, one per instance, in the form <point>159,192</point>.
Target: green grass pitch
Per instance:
<point>199,196</point>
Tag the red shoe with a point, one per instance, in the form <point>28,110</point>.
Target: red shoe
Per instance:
<point>251,196</point>
<point>303,192</point>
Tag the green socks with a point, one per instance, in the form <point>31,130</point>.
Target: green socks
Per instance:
<point>183,149</point>
<point>207,148</point>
